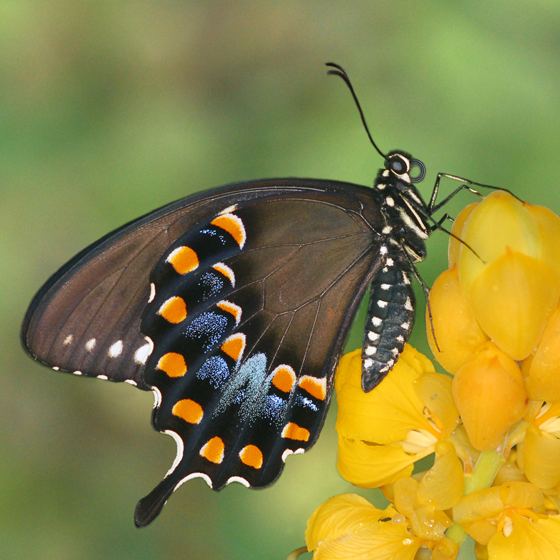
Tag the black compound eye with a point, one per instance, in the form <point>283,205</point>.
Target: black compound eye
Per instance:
<point>398,165</point>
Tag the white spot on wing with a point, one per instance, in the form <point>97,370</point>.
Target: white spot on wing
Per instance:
<point>115,349</point>
<point>376,321</point>
<point>204,477</point>
<point>386,230</point>
<point>385,286</point>
<point>405,326</point>
<point>229,209</point>
<point>77,372</point>
<point>90,344</point>
<point>372,335</point>
<point>152,292</point>
<point>238,479</point>
<point>56,368</point>
<point>103,377</point>
<point>371,350</point>
<point>157,396</point>
<point>131,382</point>
<point>180,449</point>
<point>368,362</point>
<point>143,353</point>
<point>381,303</point>
<point>390,201</point>
<point>408,305</point>
<point>288,452</point>
<point>68,340</point>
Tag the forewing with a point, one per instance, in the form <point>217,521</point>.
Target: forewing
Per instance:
<point>249,314</point>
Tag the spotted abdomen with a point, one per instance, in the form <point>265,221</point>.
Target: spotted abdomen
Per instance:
<point>389,323</point>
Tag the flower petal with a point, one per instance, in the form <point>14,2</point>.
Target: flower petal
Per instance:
<point>435,392</point>
<point>540,457</point>
<point>548,224</point>
<point>530,539</point>
<point>391,541</point>
<point>490,396</point>
<point>387,414</point>
<point>339,516</point>
<point>455,245</point>
<point>457,332</point>
<point>516,231</point>
<point>513,298</point>
<point>369,465</point>
<point>477,512</point>
<point>543,368</point>
<point>348,526</point>
<point>443,485</point>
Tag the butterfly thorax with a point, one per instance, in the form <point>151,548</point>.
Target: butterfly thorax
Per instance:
<point>404,211</point>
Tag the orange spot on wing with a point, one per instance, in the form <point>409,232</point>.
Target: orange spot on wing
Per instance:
<point>230,308</point>
<point>213,450</point>
<point>183,260</point>
<point>315,386</point>
<point>187,409</point>
<point>284,378</point>
<point>251,456</point>
<point>294,431</point>
<point>174,310</point>
<point>226,271</point>
<point>172,364</point>
<point>233,225</point>
<point>234,346</point>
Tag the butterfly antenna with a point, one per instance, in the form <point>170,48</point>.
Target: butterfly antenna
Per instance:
<point>337,70</point>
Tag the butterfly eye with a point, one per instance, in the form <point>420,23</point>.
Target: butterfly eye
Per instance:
<point>398,165</point>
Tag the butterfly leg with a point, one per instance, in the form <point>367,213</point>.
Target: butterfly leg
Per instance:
<point>389,323</point>
<point>468,184</point>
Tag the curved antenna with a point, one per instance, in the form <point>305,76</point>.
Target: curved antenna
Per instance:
<point>337,70</point>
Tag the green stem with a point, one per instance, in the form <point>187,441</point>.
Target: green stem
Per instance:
<point>485,471</point>
<point>483,476</point>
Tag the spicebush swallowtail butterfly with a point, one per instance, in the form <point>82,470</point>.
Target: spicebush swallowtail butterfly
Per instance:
<point>232,306</point>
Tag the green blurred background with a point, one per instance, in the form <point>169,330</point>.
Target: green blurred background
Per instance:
<point>110,109</point>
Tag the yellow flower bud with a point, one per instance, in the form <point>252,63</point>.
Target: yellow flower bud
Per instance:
<point>543,368</point>
<point>458,225</point>
<point>497,223</point>
<point>513,280</point>
<point>512,298</point>
<point>490,396</point>
<point>457,332</point>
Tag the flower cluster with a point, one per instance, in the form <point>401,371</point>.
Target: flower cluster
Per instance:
<point>492,425</point>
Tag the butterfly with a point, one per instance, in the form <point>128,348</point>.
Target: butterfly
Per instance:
<point>233,305</point>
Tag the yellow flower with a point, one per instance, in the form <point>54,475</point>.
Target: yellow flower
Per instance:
<point>490,396</point>
<point>512,283</point>
<point>512,521</point>
<point>384,432</point>
<point>494,427</point>
<point>348,526</point>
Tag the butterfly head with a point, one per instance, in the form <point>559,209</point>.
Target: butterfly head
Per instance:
<point>404,167</point>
